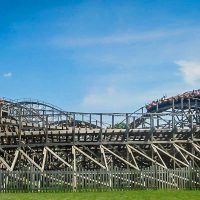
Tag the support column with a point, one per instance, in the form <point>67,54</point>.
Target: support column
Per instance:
<point>20,127</point>
<point>66,123</point>
<point>182,110</point>
<point>44,158</point>
<point>142,117</point>
<point>173,109</point>
<point>127,138</point>
<point>1,113</point>
<point>90,121</point>
<point>74,169</point>
<point>113,121</point>
<point>46,129</point>
<point>151,126</point>
<point>127,127</point>
<point>133,123</point>
<point>73,129</point>
<point>189,105</point>
<point>100,132</point>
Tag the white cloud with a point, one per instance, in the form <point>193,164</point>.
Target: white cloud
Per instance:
<point>114,39</point>
<point>111,99</point>
<point>108,99</point>
<point>190,71</point>
<point>7,75</point>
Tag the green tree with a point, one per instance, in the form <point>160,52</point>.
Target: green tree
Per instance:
<point>120,125</point>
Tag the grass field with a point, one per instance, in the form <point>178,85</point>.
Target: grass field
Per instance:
<point>130,195</point>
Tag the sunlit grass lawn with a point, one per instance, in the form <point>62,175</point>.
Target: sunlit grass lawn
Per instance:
<point>132,195</point>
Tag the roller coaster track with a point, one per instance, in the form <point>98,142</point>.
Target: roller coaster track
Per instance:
<point>35,134</point>
<point>188,102</point>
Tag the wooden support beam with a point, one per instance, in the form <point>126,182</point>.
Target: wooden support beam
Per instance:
<point>149,158</point>
<point>166,153</point>
<point>31,160</point>
<point>120,158</point>
<point>98,163</point>
<point>155,150</point>
<point>58,157</point>
<point>5,164</point>
<point>187,152</point>
<point>15,160</point>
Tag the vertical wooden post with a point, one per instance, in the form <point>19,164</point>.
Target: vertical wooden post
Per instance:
<point>82,116</point>
<point>46,129</point>
<point>182,107</point>
<point>90,120</point>
<point>173,120</point>
<point>1,181</point>
<point>74,125</point>
<point>182,103</point>
<point>74,169</point>
<point>127,127</point>
<point>151,126</point>
<point>113,121</point>
<point>1,113</point>
<point>101,124</point>
<point>127,137</point>
<point>189,105</point>
<point>66,123</point>
<point>20,126</point>
<point>134,122</point>
<point>191,122</point>
<point>151,121</point>
<point>142,117</point>
<point>158,121</point>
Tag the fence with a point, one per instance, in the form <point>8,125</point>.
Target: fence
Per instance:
<point>85,180</point>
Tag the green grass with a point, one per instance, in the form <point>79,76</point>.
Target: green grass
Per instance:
<point>121,195</point>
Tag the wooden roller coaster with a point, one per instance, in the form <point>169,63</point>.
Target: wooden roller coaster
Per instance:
<point>35,134</point>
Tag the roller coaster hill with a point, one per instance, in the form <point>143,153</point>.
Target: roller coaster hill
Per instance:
<point>164,133</point>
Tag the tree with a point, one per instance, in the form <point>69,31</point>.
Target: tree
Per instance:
<point>120,125</point>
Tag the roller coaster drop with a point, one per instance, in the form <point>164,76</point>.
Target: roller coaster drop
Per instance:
<point>40,136</point>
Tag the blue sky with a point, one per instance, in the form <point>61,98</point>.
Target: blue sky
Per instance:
<point>109,56</point>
